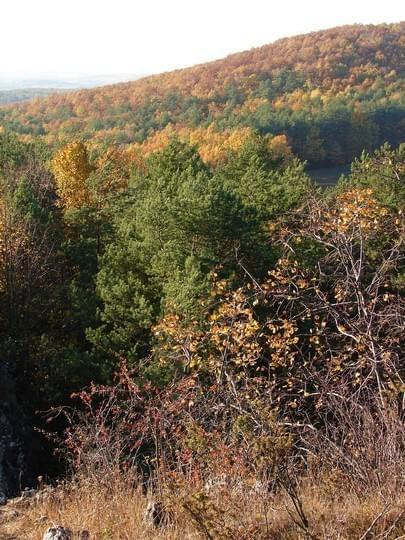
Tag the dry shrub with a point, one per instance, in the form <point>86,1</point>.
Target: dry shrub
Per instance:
<point>226,467</point>
<point>343,479</point>
<point>359,448</point>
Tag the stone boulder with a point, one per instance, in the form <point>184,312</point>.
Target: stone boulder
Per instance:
<point>155,514</point>
<point>58,533</point>
<point>62,533</point>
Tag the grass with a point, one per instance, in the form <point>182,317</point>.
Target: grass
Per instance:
<point>111,509</point>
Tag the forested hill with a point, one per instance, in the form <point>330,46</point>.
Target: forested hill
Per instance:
<point>333,93</point>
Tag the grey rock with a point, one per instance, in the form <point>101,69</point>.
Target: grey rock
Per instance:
<point>58,533</point>
<point>155,514</point>
<point>28,493</point>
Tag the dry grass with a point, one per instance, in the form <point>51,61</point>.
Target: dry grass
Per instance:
<point>350,488</point>
<point>110,509</point>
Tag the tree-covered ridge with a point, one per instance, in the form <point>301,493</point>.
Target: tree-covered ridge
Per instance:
<point>333,93</point>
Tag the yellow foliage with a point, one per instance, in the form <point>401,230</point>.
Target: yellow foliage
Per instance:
<point>214,146</point>
<point>280,148</point>
<point>72,169</point>
<point>357,209</point>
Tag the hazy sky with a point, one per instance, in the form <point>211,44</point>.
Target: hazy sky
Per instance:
<point>136,36</point>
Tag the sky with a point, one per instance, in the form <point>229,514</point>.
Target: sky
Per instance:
<point>89,37</point>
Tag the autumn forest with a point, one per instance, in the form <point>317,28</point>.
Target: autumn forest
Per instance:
<point>332,93</point>
<point>196,340</point>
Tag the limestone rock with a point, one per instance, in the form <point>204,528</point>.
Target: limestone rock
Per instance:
<point>62,533</point>
<point>155,514</point>
<point>29,493</point>
<point>58,533</point>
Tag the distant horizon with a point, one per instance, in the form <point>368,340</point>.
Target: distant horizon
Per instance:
<point>120,39</point>
<point>15,81</point>
<point>77,75</point>
<point>63,75</point>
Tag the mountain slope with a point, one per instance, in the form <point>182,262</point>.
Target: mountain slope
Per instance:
<point>332,92</point>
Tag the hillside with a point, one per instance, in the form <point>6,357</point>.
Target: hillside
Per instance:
<point>332,93</point>
<point>196,340</point>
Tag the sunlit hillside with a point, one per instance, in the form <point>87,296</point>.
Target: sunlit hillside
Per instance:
<point>333,93</point>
